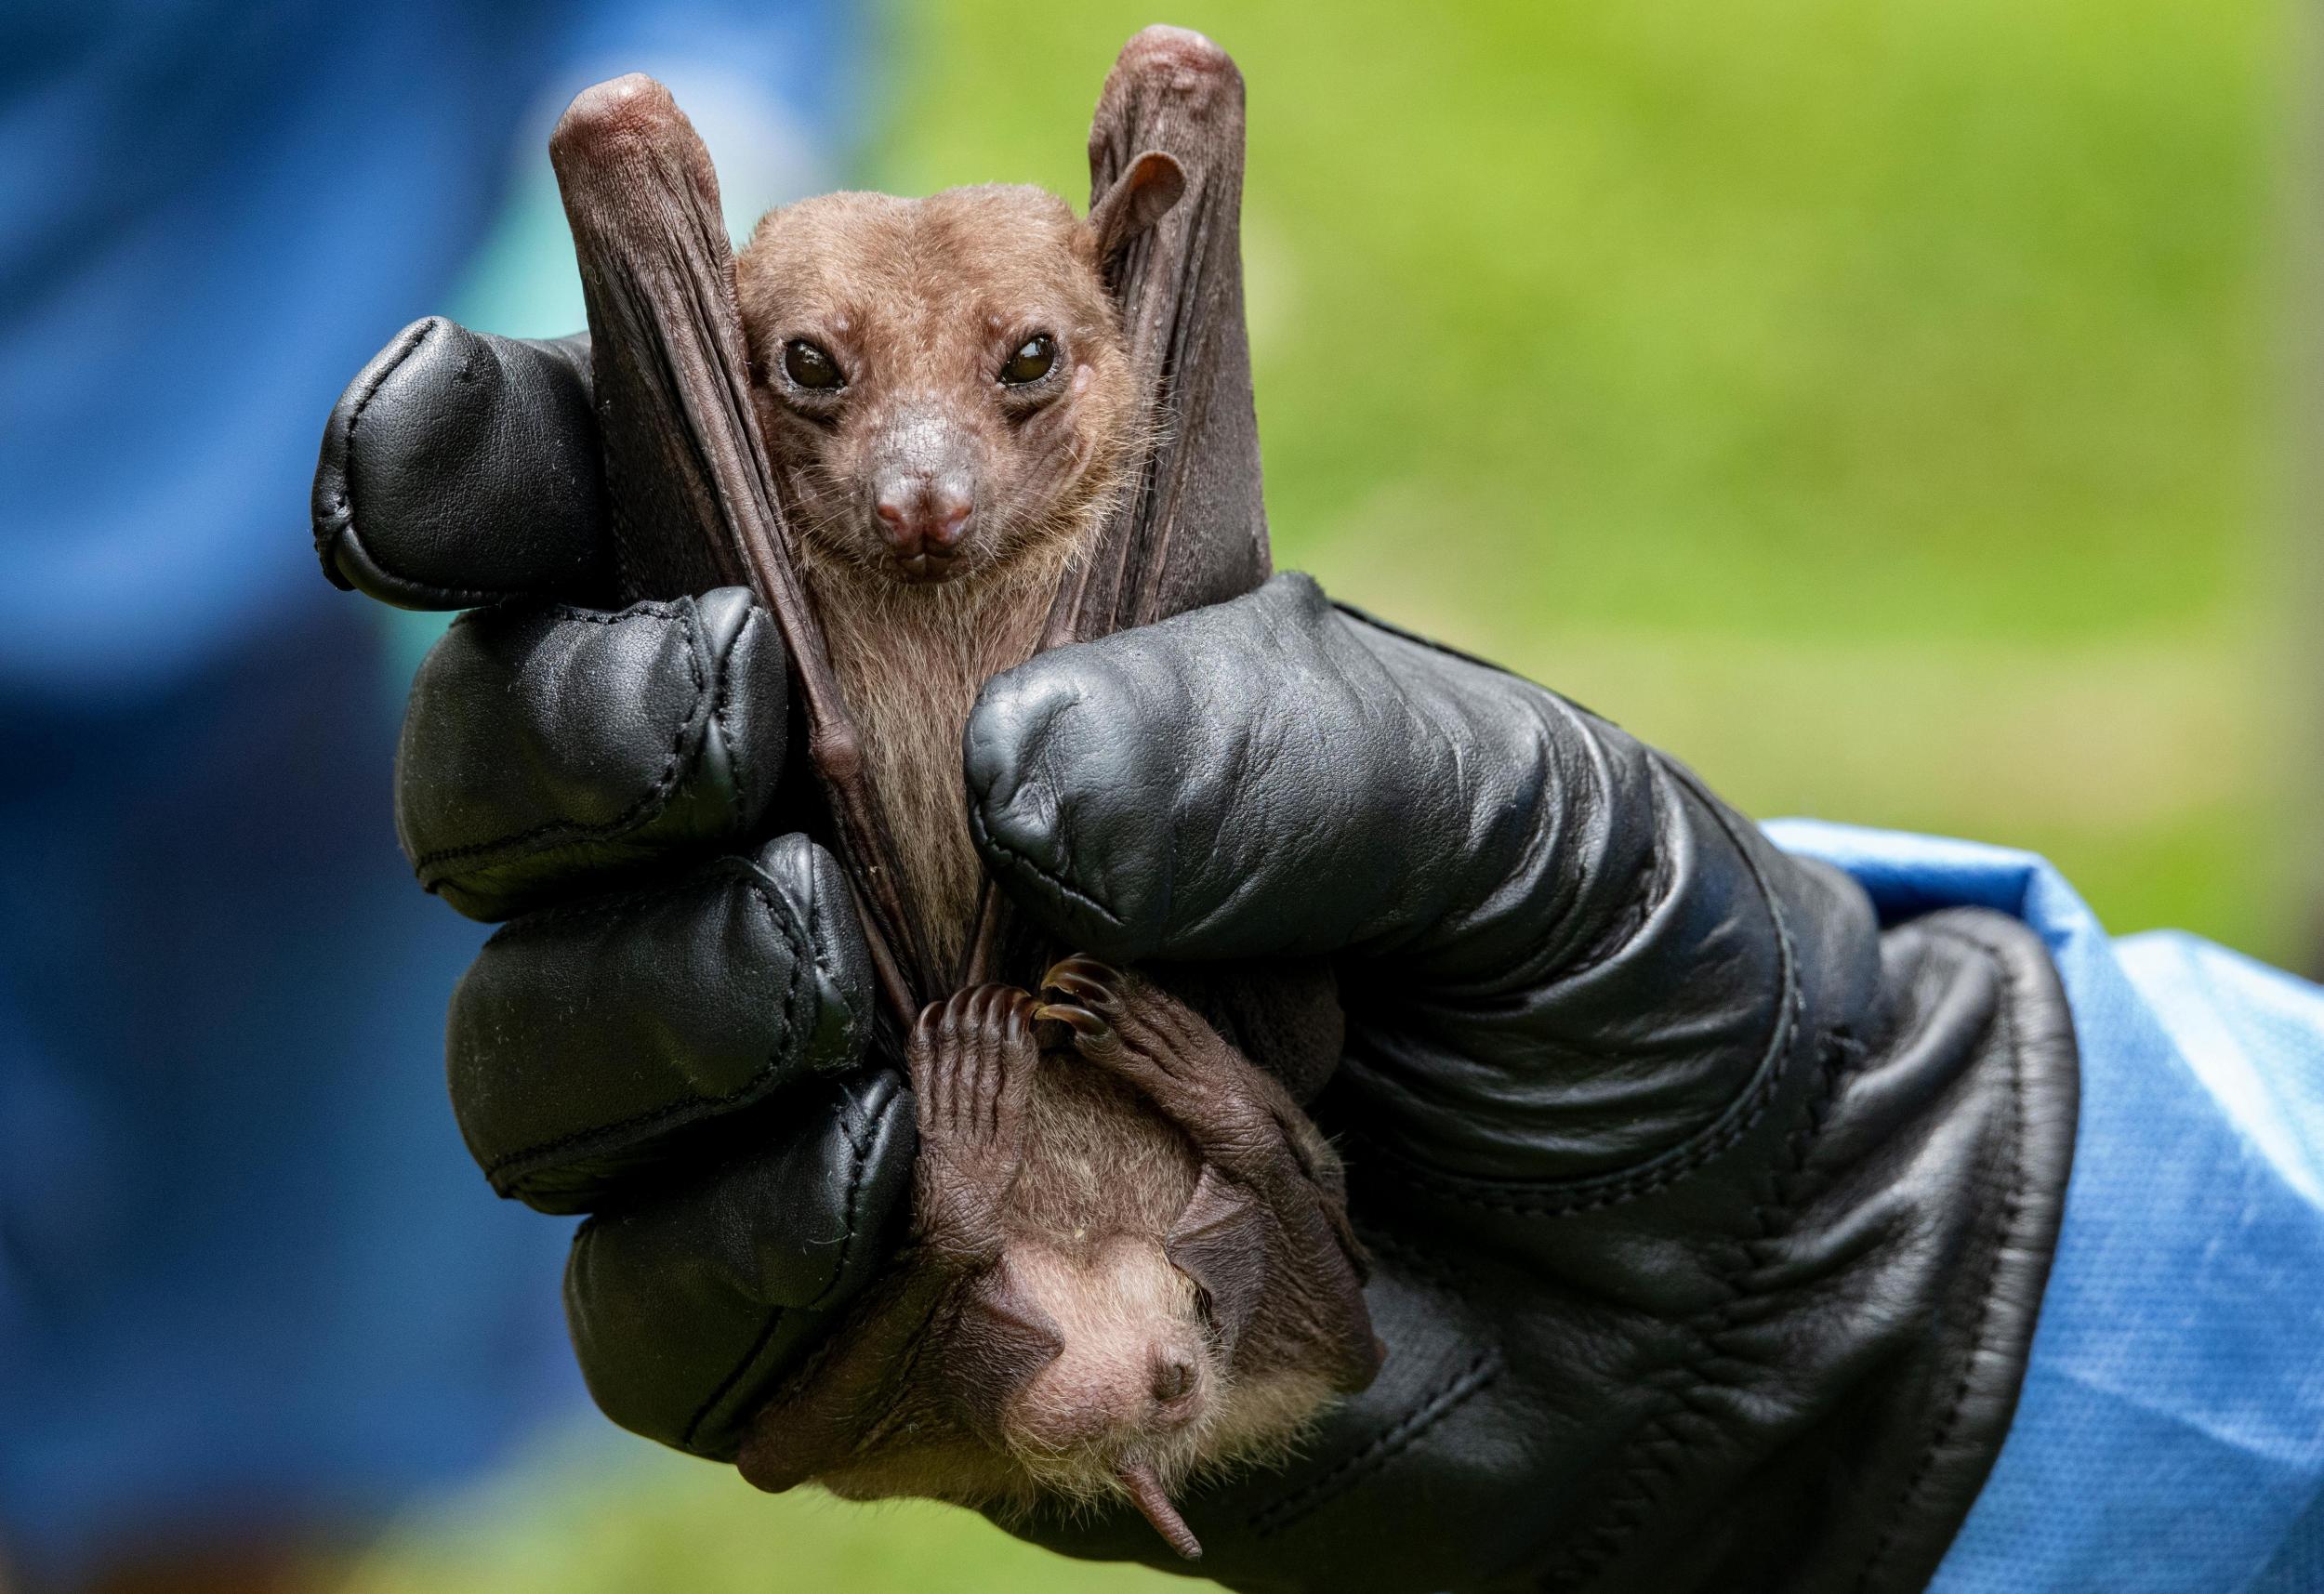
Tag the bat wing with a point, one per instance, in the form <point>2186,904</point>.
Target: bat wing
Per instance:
<point>999,1340</point>
<point>1193,529</point>
<point>1289,1260</point>
<point>1196,531</point>
<point>1225,1241</point>
<point>982,1337</point>
<point>824,1412</point>
<point>692,499</point>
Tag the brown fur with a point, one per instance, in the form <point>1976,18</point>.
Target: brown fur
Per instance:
<point>1078,1245</point>
<point>921,303</point>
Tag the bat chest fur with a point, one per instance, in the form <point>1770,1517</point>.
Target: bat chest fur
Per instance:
<point>1101,1163</point>
<point>910,661</point>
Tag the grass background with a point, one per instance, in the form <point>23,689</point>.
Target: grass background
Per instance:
<point>1884,407</point>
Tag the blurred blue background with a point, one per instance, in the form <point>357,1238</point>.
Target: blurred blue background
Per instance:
<point>1896,410</point>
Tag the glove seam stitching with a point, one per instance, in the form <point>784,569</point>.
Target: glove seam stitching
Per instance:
<point>845,1053</point>
<point>1649,1455</point>
<point>649,805</point>
<point>343,507</point>
<point>1470,1380</point>
<point>701,1104</point>
<point>2011,1206</point>
<point>986,842</point>
<point>736,759</point>
<point>343,516</point>
<point>1656,1447</point>
<point>861,1154</point>
<point>862,1148</point>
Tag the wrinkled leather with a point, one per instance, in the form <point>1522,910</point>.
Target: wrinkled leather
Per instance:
<point>574,745</point>
<point>689,1300</point>
<point>1710,1223</point>
<point>1710,1218</point>
<point>588,1037</point>
<point>669,1030</point>
<point>459,468</point>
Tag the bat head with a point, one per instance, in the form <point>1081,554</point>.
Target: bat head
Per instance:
<point>1092,1376</point>
<point>1088,1376</point>
<point>1121,1367</point>
<point>941,383</point>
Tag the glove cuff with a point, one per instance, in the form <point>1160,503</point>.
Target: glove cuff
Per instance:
<point>1794,1339</point>
<point>1831,1420</point>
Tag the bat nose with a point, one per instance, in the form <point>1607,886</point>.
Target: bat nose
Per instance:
<point>924,516</point>
<point>1173,1376</point>
<point>1173,1381</point>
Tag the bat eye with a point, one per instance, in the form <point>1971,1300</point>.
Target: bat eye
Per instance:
<point>1032,361</point>
<point>810,366</point>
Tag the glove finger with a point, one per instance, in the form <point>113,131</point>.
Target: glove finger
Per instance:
<point>448,430</point>
<point>1264,777</point>
<point>1567,959</point>
<point>587,1044</point>
<point>690,1303</point>
<point>547,748</point>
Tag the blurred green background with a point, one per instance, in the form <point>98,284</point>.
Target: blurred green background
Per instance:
<point>1886,406</point>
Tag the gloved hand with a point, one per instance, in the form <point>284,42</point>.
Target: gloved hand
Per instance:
<point>1709,1219</point>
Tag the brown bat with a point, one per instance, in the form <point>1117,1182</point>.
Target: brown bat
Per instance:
<point>935,435</point>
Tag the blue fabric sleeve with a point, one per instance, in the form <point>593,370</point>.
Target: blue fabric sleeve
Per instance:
<point>2171,1435</point>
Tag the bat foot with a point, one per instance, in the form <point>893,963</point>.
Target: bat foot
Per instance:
<point>1122,1022</point>
<point>1140,1032</point>
<point>972,1059</point>
<point>1093,985</point>
<point>1089,1008</point>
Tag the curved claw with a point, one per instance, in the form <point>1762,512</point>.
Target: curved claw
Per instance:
<point>1094,994</point>
<point>1093,983</point>
<point>1088,1025</point>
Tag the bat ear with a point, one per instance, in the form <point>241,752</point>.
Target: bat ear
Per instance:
<point>1000,1337</point>
<point>1219,1241</point>
<point>1140,197</point>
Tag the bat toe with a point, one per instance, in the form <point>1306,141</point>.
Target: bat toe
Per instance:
<point>1093,985</point>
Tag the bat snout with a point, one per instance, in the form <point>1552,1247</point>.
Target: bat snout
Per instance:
<point>923,522</point>
<point>1173,1378</point>
<point>920,486</point>
<point>1178,1389</point>
<point>1134,1366</point>
<point>1122,1395</point>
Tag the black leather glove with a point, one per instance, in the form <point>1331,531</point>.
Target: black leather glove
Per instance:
<point>669,1029</point>
<point>1709,1218</point>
